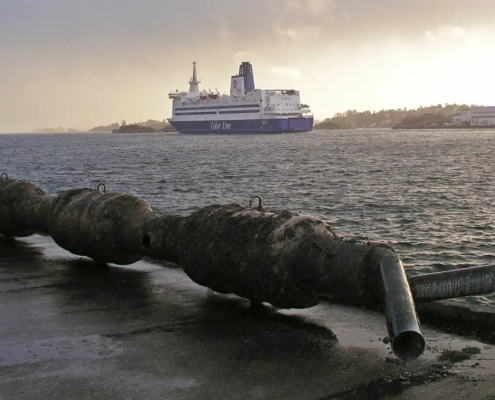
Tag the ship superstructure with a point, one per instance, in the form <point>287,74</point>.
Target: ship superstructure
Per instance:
<point>245,110</point>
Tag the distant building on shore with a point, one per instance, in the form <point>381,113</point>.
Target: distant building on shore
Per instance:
<point>476,116</point>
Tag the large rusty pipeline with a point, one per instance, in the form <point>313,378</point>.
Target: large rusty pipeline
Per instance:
<point>279,257</point>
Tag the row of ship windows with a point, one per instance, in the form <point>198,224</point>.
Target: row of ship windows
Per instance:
<point>220,112</point>
<point>216,107</point>
<point>481,116</point>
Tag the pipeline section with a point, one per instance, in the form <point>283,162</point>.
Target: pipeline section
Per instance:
<point>452,284</point>
<point>400,312</point>
<point>279,257</point>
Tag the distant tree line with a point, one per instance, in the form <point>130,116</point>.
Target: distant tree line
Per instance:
<point>353,119</point>
<point>59,129</point>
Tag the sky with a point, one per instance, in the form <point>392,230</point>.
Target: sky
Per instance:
<point>83,63</point>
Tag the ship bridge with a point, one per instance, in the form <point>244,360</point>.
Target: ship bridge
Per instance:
<point>176,95</point>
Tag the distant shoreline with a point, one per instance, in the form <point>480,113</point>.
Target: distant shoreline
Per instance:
<point>354,130</point>
<point>455,127</point>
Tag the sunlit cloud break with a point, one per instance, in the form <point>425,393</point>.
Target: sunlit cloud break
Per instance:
<point>291,72</point>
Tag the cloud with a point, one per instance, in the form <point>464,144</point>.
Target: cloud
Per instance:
<point>447,32</point>
<point>299,33</point>
<point>290,72</point>
<point>453,39</point>
<point>303,21</point>
<point>223,30</point>
<point>320,7</point>
<point>241,56</point>
<point>315,8</point>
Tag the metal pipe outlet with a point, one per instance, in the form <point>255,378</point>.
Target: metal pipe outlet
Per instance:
<point>400,313</point>
<point>453,284</point>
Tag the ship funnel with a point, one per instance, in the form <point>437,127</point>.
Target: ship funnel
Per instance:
<point>246,71</point>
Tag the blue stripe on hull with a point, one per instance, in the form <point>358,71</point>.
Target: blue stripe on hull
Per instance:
<point>245,126</point>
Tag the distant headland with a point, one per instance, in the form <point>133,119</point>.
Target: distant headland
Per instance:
<point>150,126</point>
<point>433,117</point>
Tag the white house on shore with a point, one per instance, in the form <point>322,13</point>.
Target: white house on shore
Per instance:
<point>477,116</point>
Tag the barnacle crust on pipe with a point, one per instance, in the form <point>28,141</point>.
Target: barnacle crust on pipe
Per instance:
<point>23,208</point>
<point>253,254</point>
<point>107,227</point>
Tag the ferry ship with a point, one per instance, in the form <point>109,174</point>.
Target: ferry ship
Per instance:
<point>245,110</point>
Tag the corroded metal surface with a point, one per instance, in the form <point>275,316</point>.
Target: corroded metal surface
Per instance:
<point>279,257</point>
<point>22,208</point>
<point>402,321</point>
<point>254,254</point>
<point>107,227</point>
<point>161,236</point>
<point>453,284</point>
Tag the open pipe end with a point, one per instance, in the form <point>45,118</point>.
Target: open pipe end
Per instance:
<point>408,345</point>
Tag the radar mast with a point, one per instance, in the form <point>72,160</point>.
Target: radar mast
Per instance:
<point>194,83</point>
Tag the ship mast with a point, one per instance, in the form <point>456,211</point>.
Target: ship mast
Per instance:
<point>194,83</point>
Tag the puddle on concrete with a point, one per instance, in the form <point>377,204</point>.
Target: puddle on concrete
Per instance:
<point>92,347</point>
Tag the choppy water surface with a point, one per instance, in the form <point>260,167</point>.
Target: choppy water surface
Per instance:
<point>429,194</point>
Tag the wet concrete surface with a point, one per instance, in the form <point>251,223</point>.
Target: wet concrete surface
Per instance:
<point>69,329</point>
